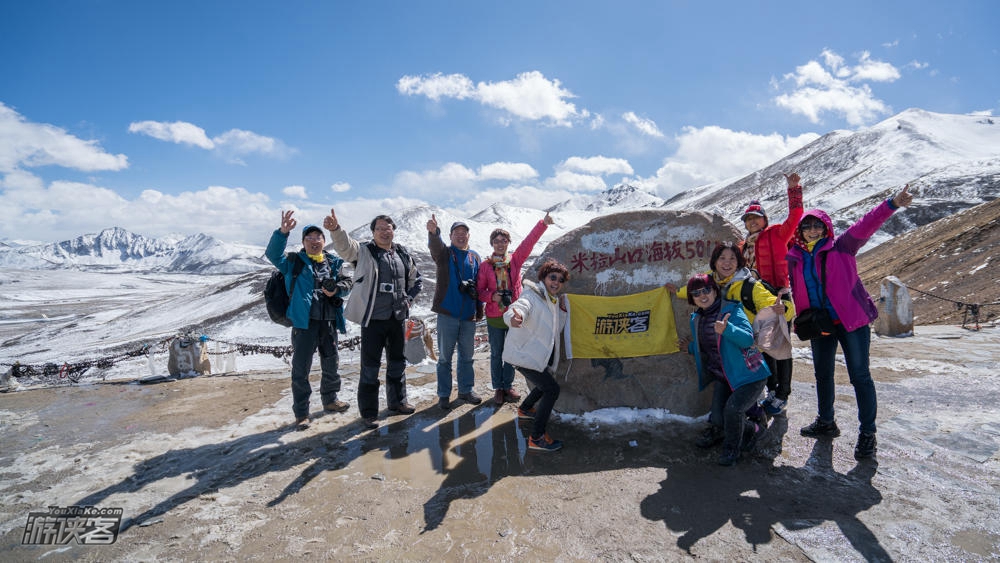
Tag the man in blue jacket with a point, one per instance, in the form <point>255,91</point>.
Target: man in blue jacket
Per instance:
<point>316,309</point>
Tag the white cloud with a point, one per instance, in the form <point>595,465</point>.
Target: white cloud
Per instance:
<point>891,44</point>
<point>179,132</point>
<point>646,126</point>
<point>509,171</point>
<point>917,65</point>
<point>231,145</point>
<point>876,71</point>
<point>454,182</point>
<point>982,113</point>
<point>833,86</point>
<point>24,144</point>
<point>530,96</point>
<point>595,165</point>
<point>63,210</point>
<point>340,187</point>
<point>531,197</point>
<point>575,182</point>
<point>711,154</point>
<point>295,191</point>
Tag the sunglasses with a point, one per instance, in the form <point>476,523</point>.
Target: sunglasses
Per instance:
<point>701,291</point>
<point>556,278</point>
<point>813,225</point>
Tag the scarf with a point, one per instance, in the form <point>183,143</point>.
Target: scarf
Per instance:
<point>750,250</point>
<point>501,267</point>
<point>316,257</point>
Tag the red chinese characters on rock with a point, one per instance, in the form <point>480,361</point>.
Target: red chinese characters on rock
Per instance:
<point>654,252</point>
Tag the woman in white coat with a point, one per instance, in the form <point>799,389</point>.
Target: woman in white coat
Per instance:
<point>536,321</point>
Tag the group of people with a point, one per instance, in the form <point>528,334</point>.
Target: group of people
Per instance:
<point>386,281</point>
<point>803,258</point>
<point>794,266</point>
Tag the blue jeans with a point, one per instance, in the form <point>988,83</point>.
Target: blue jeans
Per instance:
<point>501,373</point>
<point>452,333</point>
<point>855,345</point>
<point>322,336</point>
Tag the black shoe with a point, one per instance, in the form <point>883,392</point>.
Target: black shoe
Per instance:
<point>729,457</point>
<point>470,398</point>
<point>711,436</point>
<point>867,446</point>
<point>403,408</point>
<point>820,429</point>
<point>370,422</point>
<point>444,403</point>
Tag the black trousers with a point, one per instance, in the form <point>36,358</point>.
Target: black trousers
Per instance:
<point>389,336</point>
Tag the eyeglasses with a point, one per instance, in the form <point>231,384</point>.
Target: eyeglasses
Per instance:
<point>701,291</point>
<point>556,278</point>
<point>501,240</point>
<point>813,225</point>
<point>314,238</point>
<point>384,229</point>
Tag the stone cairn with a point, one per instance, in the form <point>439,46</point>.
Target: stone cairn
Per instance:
<point>628,253</point>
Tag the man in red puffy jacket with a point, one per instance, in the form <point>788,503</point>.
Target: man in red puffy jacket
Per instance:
<point>764,249</point>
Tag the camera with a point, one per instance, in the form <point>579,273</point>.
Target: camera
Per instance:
<point>506,297</point>
<point>330,285</point>
<point>386,288</point>
<point>468,287</point>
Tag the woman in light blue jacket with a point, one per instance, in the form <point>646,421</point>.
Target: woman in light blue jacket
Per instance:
<point>724,353</point>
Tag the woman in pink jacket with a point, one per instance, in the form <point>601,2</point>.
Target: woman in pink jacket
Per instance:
<point>499,285</point>
<point>824,274</point>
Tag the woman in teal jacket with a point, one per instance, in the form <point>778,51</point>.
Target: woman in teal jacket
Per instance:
<point>724,352</point>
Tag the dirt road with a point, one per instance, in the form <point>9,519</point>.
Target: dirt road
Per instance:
<point>207,469</point>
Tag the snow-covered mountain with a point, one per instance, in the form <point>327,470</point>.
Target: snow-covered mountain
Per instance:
<point>116,248</point>
<point>951,162</point>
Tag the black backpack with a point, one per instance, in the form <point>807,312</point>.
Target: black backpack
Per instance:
<point>746,293</point>
<point>275,297</point>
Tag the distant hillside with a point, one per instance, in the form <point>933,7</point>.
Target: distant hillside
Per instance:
<point>952,162</point>
<point>956,258</point>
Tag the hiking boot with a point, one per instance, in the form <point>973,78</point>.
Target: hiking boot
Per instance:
<point>866,446</point>
<point>444,404</point>
<point>729,457</point>
<point>753,433</point>
<point>525,414</point>
<point>336,406</point>
<point>470,398</point>
<point>511,395</point>
<point>403,408</point>
<point>369,422</point>
<point>774,406</point>
<point>302,422</point>
<point>710,437</point>
<point>820,429</point>
<point>498,396</point>
<point>544,444</point>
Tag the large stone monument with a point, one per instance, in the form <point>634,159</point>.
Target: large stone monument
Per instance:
<point>895,309</point>
<point>628,253</point>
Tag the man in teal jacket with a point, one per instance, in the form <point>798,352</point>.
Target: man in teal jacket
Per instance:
<point>316,309</point>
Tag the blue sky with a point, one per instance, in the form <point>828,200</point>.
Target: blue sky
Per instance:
<point>184,117</point>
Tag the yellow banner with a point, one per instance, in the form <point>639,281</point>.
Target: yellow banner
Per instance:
<point>626,326</point>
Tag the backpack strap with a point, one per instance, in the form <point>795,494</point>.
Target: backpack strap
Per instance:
<point>297,266</point>
<point>746,295</point>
